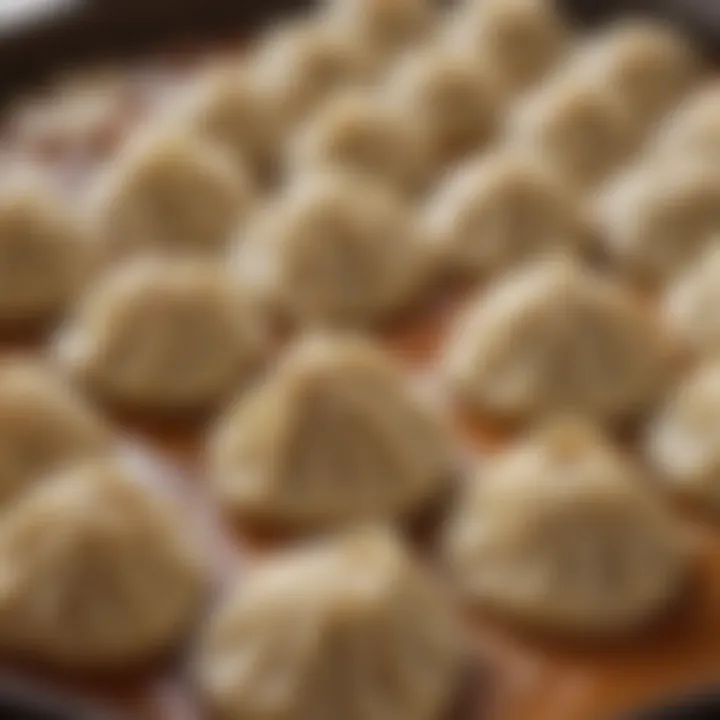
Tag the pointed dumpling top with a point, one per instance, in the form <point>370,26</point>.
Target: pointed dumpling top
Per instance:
<point>333,436</point>
<point>98,571</point>
<point>560,532</point>
<point>555,336</point>
<point>352,627</point>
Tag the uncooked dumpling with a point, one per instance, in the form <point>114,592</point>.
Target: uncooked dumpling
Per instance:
<point>172,193</point>
<point>333,436</point>
<point>44,425</point>
<point>456,103</point>
<point>658,218</point>
<point>581,129</point>
<point>164,335</point>
<point>231,107</point>
<point>694,128</point>
<point>360,131</point>
<point>385,28</point>
<point>692,304</point>
<point>559,532</point>
<point>520,41</point>
<point>336,250</point>
<point>500,210</point>
<point>46,253</point>
<point>351,628</point>
<point>649,64</point>
<point>301,64</point>
<point>98,571</point>
<point>556,337</point>
<point>683,441</point>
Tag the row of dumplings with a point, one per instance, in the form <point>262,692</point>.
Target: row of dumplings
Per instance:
<point>102,570</point>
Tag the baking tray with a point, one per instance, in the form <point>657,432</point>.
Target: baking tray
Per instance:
<point>517,676</point>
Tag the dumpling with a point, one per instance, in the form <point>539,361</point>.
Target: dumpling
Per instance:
<point>455,101</point>
<point>46,252</point>
<point>304,63</point>
<point>333,436</point>
<point>360,131</point>
<point>44,426</point>
<point>559,533</point>
<point>229,106</point>
<point>352,627</point>
<point>692,301</point>
<point>694,128</point>
<point>164,335</point>
<point>171,193</point>
<point>336,250</point>
<point>519,41</point>
<point>650,65</point>
<point>581,129</point>
<point>99,572</point>
<point>384,28</point>
<point>659,217</point>
<point>552,337</point>
<point>683,440</point>
<point>501,209</point>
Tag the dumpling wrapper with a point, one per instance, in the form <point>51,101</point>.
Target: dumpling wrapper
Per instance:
<point>232,107</point>
<point>173,193</point>
<point>359,130</point>
<point>303,63</point>
<point>559,533</point>
<point>683,440</point>
<point>334,436</point>
<point>352,627</point>
<point>659,217</point>
<point>47,251</point>
<point>649,64</point>
<point>582,130</point>
<point>383,28</point>
<point>165,335</point>
<point>336,250</point>
<point>556,337</point>
<point>44,426</point>
<point>454,100</point>
<point>519,41</point>
<point>691,304</point>
<point>98,572</point>
<point>694,128</point>
<point>503,209</point>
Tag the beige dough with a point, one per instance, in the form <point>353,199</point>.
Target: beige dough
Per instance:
<point>99,572</point>
<point>555,337</point>
<point>171,193</point>
<point>581,129</point>
<point>694,128</point>
<point>384,28</point>
<point>230,106</point>
<point>46,252</point>
<point>336,250</point>
<point>692,302</point>
<point>304,63</point>
<point>353,627</point>
<point>333,436</point>
<point>560,533</point>
<point>650,65</point>
<point>164,335</point>
<point>519,41</point>
<point>683,441</point>
<point>359,130</point>
<point>44,426</point>
<point>502,209</point>
<point>456,103</point>
<point>659,217</point>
